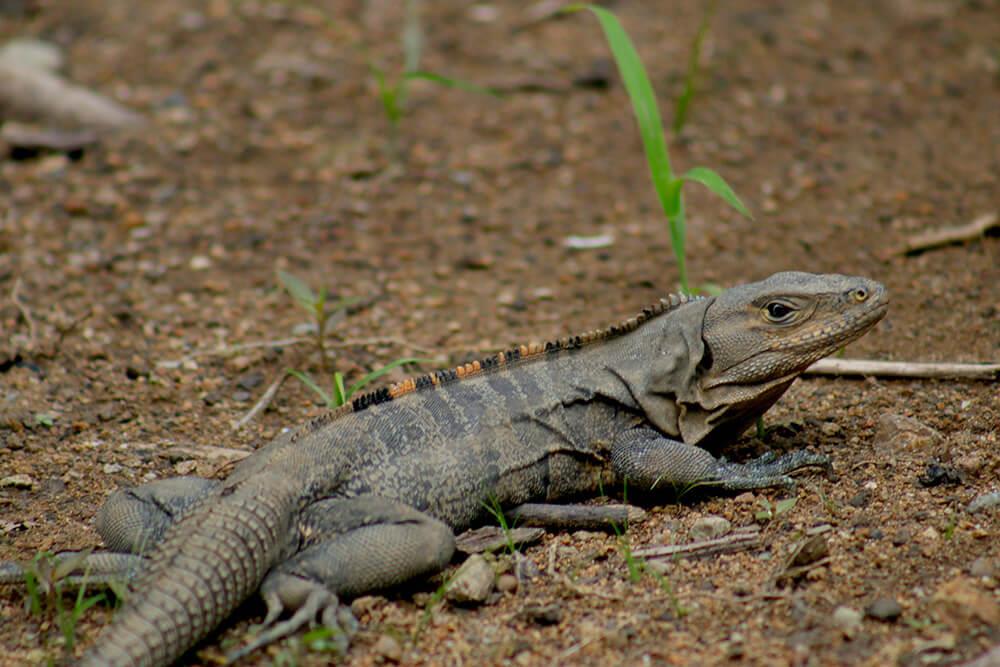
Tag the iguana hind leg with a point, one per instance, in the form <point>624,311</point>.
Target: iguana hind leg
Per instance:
<point>651,461</point>
<point>352,546</point>
<point>133,520</point>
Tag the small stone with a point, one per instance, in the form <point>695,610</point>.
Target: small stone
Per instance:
<point>241,396</point>
<point>200,263</point>
<point>830,428</point>
<point>185,467</point>
<point>861,499</point>
<point>250,381</point>
<point>112,468</point>
<point>884,609</point>
<point>549,614</point>
<point>366,605</point>
<point>507,583</point>
<point>17,482</point>
<point>847,619</point>
<point>971,464</point>
<point>937,474</point>
<point>710,527</point>
<point>746,498</point>
<point>984,502</point>
<point>388,649</point>
<point>896,432</point>
<point>473,582</point>
<point>984,566</point>
<point>961,604</point>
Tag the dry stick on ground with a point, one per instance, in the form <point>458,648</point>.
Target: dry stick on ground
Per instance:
<point>741,539</point>
<point>948,235</point>
<point>905,369</point>
<point>25,313</point>
<point>226,350</point>
<point>575,517</point>
<point>262,402</point>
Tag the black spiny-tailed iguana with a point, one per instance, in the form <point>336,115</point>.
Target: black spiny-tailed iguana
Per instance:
<point>372,495</point>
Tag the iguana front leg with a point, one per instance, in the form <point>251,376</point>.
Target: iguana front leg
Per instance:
<point>350,546</point>
<point>649,461</point>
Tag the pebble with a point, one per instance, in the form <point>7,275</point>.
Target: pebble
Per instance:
<point>200,263</point>
<point>507,583</point>
<point>185,467</point>
<point>710,527</point>
<point>112,468</point>
<point>250,381</point>
<point>17,482</point>
<point>984,502</point>
<point>549,614</point>
<point>897,432</point>
<point>388,648</point>
<point>847,619</point>
<point>473,582</point>
<point>861,499</point>
<point>984,566</point>
<point>961,604</point>
<point>830,428</point>
<point>884,609</point>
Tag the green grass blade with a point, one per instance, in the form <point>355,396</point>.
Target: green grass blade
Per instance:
<point>308,381</point>
<point>678,241</point>
<point>376,374</point>
<point>299,291</point>
<point>711,180</point>
<point>647,113</point>
<point>339,393</point>
<point>694,69</point>
<point>450,82</point>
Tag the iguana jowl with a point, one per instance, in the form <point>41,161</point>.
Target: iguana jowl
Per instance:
<point>372,495</point>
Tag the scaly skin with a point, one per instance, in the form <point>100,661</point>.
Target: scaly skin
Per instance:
<point>371,496</point>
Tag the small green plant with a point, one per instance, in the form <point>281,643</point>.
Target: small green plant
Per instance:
<point>432,603</point>
<point>339,394</point>
<point>493,507</point>
<point>769,512</point>
<point>668,186</point>
<point>694,68</point>
<point>637,567</point>
<point>44,580</point>
<point>326,315</point>
<point>393,90</point>
<point>45,419</point>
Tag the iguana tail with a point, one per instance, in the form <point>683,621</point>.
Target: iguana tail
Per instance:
<point>210,561</point>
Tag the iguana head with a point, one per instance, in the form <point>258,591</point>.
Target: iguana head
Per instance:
<point>715,376</point>
<point>774,329</point>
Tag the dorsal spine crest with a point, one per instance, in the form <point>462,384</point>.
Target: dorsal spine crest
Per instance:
<point>514,355</point>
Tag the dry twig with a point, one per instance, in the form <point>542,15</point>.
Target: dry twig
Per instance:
<point>741,539</point>
<point>262,403</point>
<point>949,235</point>
<point>986,371</point>
<point>25,313</point>
<point>227,350</point>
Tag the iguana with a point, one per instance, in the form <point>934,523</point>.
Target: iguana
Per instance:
<point>372,495</point>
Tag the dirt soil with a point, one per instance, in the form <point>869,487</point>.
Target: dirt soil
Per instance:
<point>148,318</point>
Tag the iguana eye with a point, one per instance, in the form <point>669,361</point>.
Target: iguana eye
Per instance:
<point>860,294</point>
<point>777,311</point>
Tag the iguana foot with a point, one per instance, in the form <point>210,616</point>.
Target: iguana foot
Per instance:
<point>766,471</point>
<point>310,600</point>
